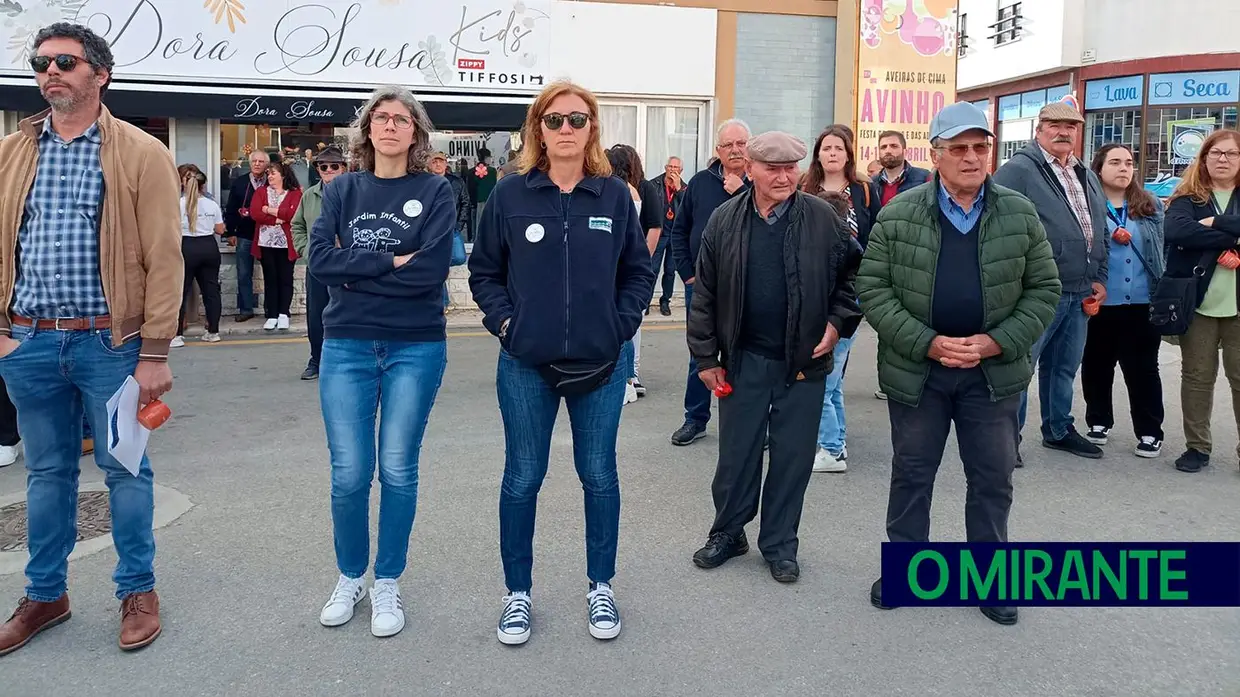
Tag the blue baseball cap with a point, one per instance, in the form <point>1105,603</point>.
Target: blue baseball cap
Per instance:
<point>958,118</point>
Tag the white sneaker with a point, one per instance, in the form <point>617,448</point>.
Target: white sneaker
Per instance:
<point>177,342</point>
<point>9,454</point>
<point>211,338</point>
<point>826,462</point>
<point>630,392</point>
<point>282,323</point>
<point>604,617</point>
<point>270,324</point>
<point>387,611</point>
<point>339,608</point>
<point>514,622</point>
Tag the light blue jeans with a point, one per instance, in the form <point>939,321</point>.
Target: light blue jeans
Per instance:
<point>832,429</point>
<point>1057,355</point>
<point>394,383</point>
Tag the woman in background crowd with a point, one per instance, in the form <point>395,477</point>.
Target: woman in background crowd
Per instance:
<point>1202,226</point>
<point>201,222</point>
<point>272,209</point>
<point>1121,331</point>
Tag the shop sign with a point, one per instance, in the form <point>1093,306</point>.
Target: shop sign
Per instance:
<point>1221,87</point>
<point>1031,103</point>
<point>501,45</point>
<point>1009,107</point>
<point>1116,93</point>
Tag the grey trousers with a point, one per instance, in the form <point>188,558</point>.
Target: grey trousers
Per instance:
<point>762,401</point>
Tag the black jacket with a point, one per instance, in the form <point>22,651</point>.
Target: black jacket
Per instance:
<point>1189,243</point>
<point>913,178</point>
<point>461,195</point>
<point>703,194</point>
<point>664,206</point>
<point>821,259</point>
<point>239,195</point>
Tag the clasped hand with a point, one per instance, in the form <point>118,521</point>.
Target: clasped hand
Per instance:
<point>966,352</point>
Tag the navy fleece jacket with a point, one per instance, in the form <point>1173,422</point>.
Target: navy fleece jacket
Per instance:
<point>365,224</point>
<point>571,271</point>
<point>702,196</point>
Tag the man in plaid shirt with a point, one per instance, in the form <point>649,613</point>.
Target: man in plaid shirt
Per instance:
<point>90,281</point>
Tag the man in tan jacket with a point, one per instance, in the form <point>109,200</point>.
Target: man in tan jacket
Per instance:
<point>90,285</point>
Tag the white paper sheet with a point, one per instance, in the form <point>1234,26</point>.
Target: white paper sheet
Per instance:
<point>126,437</point>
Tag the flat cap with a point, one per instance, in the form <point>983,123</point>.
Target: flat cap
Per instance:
<point>331,153</point>
<point>1060,111</point>
<point>439,156</point>
<point>777,147</point>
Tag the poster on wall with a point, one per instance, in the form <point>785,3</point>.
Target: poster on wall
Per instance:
<point>473,45</point>
<point>458,146</point>
<point>1184,140</point>
<point>906,73</point>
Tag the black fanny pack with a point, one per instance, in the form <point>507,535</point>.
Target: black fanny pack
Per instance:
<point>575,378</point>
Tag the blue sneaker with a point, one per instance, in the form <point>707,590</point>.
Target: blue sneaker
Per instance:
<point>514,623</point>
<point>604,617</point>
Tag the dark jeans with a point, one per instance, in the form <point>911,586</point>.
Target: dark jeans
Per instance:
<point>1057,355</point>
<point>986,434</point>
<point>529,409</point>
<point>697,396</point>
<point>244,260</point>
<point>8,418</point>
<point>663,258</point>
<point>202,264</point>
<point>1123,334</point>
<point>316,301</point>
<point>762,401</point>
<point>277,282</point>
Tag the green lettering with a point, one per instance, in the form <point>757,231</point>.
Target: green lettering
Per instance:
<point>970,578</point>
<point>1073,576</point>
<point>1014,594</point>
<point>1143,571</point>
<point>1166,575</point>
<point>944,577</point>
<point>1037,576</point>
<point>1102,567</point>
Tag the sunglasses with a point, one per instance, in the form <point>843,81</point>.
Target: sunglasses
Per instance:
<point>330,167</point>
<point>65,62</point>
<point>960,150</point>
<point>576,119</point>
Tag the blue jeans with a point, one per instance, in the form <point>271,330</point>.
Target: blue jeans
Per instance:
<point>697,395</point>
<point>529,408</point>
<point>1057,355</point>
<point>54,378</point>
<point>244,260</point>
<point>832,430</point>
<point>397,383</point>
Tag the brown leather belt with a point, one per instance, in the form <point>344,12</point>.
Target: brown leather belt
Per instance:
<point>73,324</point>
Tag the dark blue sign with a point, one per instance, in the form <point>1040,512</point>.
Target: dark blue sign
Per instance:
<point>1116,93</point>
<point>1221,87</point>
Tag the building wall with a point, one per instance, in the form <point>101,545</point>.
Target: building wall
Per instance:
<point>785,73</point>
<point>1154,28</point>
<point>1044,45</point>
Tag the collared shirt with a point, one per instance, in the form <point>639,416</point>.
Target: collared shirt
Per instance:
<point>963,220</point>
<point>890,188</point>
<point>1077,200</point>
<point>1129,282</point>
<point>776,213</point>
<point>58,241</point>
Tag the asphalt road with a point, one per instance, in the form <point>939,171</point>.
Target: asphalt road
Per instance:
<point>243,574</point>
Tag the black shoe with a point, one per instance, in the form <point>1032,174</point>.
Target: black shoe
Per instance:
<point>1148,447</point>
<point>245,316</point>
<point>785,571</point>
<point>665,308</point>
<point>311,372</point>
<point>1075,444</point>
<point>876,596</point>
<point>1020,460</point>
<point>646,311</point>
<point>719,548</point>
<point>688,433</point>
<point>1002,614</point>
<point>1098,435</point>
<point>639,388</point>
<point>1192,461</point>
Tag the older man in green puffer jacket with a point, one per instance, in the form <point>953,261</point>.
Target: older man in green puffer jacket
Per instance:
<point>959,282</point>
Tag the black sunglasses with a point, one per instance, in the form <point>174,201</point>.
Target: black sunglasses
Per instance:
<point>65,62</point>
<point>330,166</point>
<point>555,122</point>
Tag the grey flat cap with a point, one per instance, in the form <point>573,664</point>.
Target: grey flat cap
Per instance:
<point>1059,111</point>
<point>777,147</point>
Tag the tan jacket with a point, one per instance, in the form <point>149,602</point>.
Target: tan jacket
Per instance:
<point>140,260</point>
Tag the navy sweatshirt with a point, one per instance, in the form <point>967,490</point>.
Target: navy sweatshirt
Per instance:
<point>570,271</point>
<point>703,195</point>
<point>373,221</point>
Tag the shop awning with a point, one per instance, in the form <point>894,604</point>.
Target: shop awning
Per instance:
<point>449,112</point>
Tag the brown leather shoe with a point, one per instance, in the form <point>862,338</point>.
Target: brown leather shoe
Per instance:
<point>139,620</point>
<point>30,618</point>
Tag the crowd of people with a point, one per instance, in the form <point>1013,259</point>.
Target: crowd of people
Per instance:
<point>970,281</point>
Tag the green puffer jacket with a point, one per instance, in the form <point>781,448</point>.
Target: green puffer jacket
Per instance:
<point>1020,288</point>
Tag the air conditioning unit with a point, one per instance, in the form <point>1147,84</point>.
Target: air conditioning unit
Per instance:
<point>1089,55</point>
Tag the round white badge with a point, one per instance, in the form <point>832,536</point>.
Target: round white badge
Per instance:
<point>413,208</point>
<point>534,233</point>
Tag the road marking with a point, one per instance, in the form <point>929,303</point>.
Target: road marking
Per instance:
<point>661,327</point>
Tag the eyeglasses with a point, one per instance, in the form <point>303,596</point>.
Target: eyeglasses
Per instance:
<point>736,144</point>
<point>555,122</point>
<point>330,167</point>
<point>65,62</point>
<point>381,118</point>
<point>1228,155</point>
<point>961,149</point>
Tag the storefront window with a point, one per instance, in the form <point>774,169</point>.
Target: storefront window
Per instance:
<point>1172,138</point>
<point>671,132</point>
<point>154,126</point>
<point>1106,127</point>
<point>618,124</point>
<point>238,140</point>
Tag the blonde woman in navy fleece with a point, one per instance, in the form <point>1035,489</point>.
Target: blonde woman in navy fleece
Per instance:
<point>381,246</point>
<point>562,273</point>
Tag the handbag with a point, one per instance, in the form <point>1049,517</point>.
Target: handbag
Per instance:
<point>1174,300</point>
<point>576,378</point>
<point>458,249</point>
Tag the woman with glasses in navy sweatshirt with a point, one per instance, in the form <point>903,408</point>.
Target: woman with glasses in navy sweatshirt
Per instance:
<point>562,273</point>
<point>381,246</point>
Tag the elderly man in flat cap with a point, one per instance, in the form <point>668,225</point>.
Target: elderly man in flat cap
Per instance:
<point>1073,209</point>
<point>328,164</point>
<point>774,294</point>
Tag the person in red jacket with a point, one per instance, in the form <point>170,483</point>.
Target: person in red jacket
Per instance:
<point>272,210</point>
